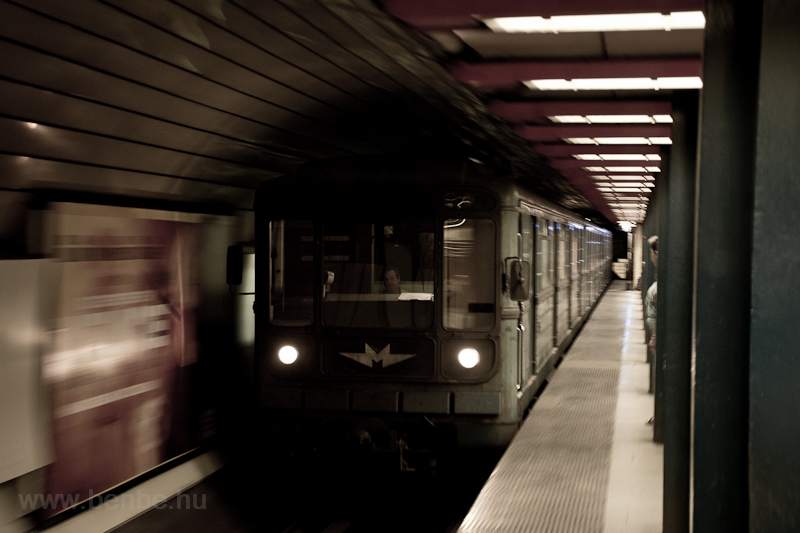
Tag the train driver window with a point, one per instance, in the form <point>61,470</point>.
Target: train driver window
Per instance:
<point>469,274</point>
<point>382,274</point>
<point>292,271</point>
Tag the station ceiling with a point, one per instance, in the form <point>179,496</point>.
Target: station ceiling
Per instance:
<point>204,99</point>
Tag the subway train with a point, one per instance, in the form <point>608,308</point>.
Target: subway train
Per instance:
<point>407,309</point>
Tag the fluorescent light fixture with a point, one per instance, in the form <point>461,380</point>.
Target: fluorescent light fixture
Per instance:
<point>611,119</point>
<point>616,84</point>
<point>620,177</point>
<point>622,140</point>
<point>686,82</point>
<point>619,119</point>
<point>681,20</point>
<point>626,169</point>
<point>618,157</point>
<point>569,119</point>
<point>618,140</point>
<point>581,140</point>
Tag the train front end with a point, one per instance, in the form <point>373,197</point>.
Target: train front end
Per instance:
<point>379,336</point>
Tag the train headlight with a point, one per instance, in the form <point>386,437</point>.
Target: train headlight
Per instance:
<point>469,357</point>
<point>287,355</point>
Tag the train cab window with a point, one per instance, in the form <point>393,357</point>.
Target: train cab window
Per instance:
<point>469,274</point>
<point>292,271</point>
<point>378,274</point>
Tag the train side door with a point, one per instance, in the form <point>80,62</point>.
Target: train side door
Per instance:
<point>545,291</point>
<point>575,287</point>
<point>528,319</point>
<point>583,267</point>
<point>562,282</point>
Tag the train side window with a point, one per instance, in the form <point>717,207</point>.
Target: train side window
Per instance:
<point>469,274</point>
<point>544,255</point>
<point>292,272</point>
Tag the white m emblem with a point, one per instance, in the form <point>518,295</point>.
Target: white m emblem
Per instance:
<point>370,356</point>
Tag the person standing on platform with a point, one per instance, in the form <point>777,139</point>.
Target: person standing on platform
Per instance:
<point>650,300</point>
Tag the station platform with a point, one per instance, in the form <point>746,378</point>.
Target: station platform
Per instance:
<point>584,460</point>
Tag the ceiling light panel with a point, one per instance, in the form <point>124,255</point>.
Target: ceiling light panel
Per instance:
<point>610,140</point>
<point>683,20</point>
<point>611,119</point>
<point>622,177</point>
<point>615,84</point>
<point>617,157</point>
<point>627,169</point>
<point>618,140</point>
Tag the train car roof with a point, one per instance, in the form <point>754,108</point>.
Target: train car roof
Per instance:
<point>342,184</point>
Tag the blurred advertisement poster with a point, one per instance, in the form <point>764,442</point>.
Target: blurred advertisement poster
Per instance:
<point>122,343</point>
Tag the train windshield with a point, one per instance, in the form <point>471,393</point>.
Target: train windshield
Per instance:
<point>292,264</point>
<point>469,274</point>
<point>378,274</point>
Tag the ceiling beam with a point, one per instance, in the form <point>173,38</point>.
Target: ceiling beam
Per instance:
<point>551,133</point>
<point>570,172</point>
<point>520,112</point>
<point>496,74</point>
<point>581,163</point>
<point>567,150</point>
<point>441,14</point>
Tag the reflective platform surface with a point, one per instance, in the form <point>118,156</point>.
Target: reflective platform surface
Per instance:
<point>584,460</point>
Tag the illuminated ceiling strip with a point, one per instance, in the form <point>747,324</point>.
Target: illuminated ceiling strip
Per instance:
<point>622,169</point>
<point>616,177</point>
<point>611,119</point>
<point>618,140</point>
<point>615,84</point>
<point>684,20</point>
<point>617,157</point>
<point>622,189</point>
<point>637,179</point>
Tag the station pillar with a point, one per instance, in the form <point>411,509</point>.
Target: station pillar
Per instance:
<point>724,261</point>
<point>774,407</point>
<point>676,289</point>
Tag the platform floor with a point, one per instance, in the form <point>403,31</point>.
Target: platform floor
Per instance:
<point>584,460</point>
